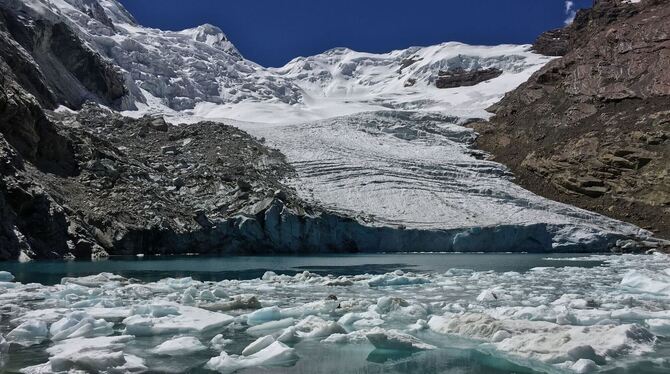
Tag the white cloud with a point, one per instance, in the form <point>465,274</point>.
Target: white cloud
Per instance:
<point>570,12</point>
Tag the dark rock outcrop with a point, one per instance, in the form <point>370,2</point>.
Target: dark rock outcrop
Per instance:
<point>592,128</point>
<point>459,77</point>
<point>51,62</point>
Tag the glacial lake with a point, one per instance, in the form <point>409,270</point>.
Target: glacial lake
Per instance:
<point>553,305</point>
<point>208,268</point>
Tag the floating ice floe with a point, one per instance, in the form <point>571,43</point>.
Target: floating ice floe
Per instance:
<point>654,282</point>
<point>218,342</point>
<point>173,319</point>
<point>94,354</point>
<point>271,326</point>
<point>396,341</point>
<point>548,342</point>
<point>549,318</point>
<point>80,325</point>
<point>29,333</point>
<point>316,327</point>
<point>258,345</point>
<point>98,280</point>
<point>275,354</point>
<point>6,276</point>
<point>182,346</point>
<point>396,279</point>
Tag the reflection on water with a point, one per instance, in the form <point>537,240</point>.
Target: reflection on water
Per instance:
<point>206,268</point>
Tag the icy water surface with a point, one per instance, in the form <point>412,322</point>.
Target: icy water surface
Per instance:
<point>411,313</point>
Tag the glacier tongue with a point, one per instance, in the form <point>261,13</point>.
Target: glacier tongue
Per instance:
<point>414,170</point>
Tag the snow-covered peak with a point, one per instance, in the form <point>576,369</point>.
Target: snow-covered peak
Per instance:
<point>212,36</point>
<point>199,70</point>
<point>345,71</point>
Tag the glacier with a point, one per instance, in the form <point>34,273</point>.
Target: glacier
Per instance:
<point>371,136</point>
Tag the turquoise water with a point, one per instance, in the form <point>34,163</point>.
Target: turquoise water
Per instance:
<point>529,278</point>
<point>207,268</point>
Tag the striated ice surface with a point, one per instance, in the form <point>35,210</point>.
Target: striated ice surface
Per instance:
<point>548,319</point>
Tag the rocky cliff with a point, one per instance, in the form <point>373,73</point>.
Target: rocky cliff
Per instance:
<point>592,128</point>
<point>50,61</point>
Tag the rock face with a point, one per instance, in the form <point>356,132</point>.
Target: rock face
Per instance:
<point>51,62</point>
<point>459,77</point>
<point>593,128</point>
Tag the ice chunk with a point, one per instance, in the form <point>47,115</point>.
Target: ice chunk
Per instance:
<point>372,322</point>
<point>493,294</point>
<point>258,345</point>
<point>187,299</point>
<point>398,309</point>
<point>660,327</point>
<point>584,366</point>
<point>219,342</point>
<point>220,293</point>
<point>4,348</point>
<point>97,280</point>
<point>6,276</point>
<point>29,333</point>
<point>80,325</point>
<point>387,304</point>
<point>315,327</point>
<point>647,281</point>
<point>236,302</point>
<point>312,308</point>
<point>354,337</point>
<point>179,283</point>
<point>161,319</point>
<point>115,315</point>
<point>548,342</point>
<point>182,346</point>
<point>269,275</point>
<point>276,354</point>
<point>48,315</point>
<point>289,335</point>
<point>500,336</point>
<point>263,315</point>
<point>351,317</point>
<point>419,325</point>
<point>472,325</point>
<point>395,280</point>
<point>91,354</point>
<point>395,340</point>
<point>271,326</point>
<point>206,295</point>
<point>155,310</point>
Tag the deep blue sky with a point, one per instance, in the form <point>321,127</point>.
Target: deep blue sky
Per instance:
<point>272,32</point>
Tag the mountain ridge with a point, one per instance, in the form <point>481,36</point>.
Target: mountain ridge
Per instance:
<point>330,130</point>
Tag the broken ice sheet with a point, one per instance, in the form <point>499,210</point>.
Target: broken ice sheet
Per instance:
<point>545,319</point>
